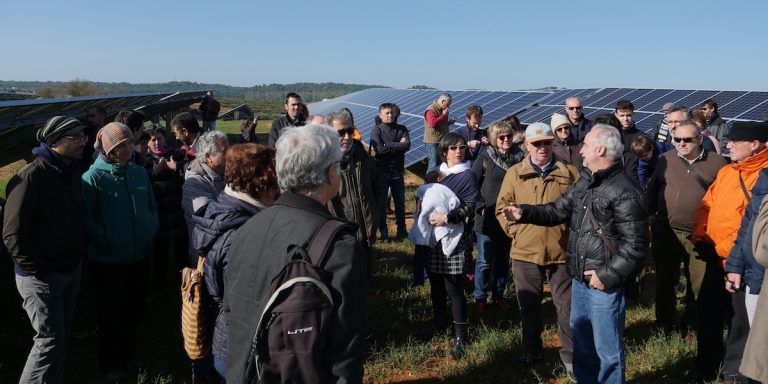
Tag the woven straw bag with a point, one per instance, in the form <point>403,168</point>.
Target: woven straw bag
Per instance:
<point>195,321</point>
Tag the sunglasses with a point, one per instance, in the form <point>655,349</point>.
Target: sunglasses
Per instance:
<point>455,147</point>
<point>576,108</point>
<point>687,140</point>
<point>346,131</point>
<point>562,129</point>
<point>504,137</point>
<point>541,143</point>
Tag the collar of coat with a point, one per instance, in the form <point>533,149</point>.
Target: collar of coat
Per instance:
<point>603,174</point>
<point>753,163</point>
<point>299,201</point>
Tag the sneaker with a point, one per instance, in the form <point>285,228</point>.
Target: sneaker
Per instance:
<point>502,305</point>
<point>528,357</point>
<point>482,308</point>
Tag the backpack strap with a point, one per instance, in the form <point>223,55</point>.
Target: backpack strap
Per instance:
<point>322,240</point>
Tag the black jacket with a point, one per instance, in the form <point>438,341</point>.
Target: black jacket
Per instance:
<point>277,128</point>
<point>390,151</point>
<point>258,253</point>
<point>618,206</point>
<point>490,177</point>
<point>42,225</point>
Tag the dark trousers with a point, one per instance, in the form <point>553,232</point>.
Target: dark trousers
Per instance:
<point>529,287</point>
<point>121,292</point>
<point>161,249</point>
<point>737,335</point>
<point>443,286</point>
<point>714,309</point>
<point>670,249</point>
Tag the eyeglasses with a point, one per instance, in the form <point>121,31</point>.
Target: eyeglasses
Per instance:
<point>541,143</point>
<point>578,108</point>
<point>346,131</point>
<point>455,147</point>
<point>504,137</point>
<point>563,129</point>
<point>674,122</point>
<point>687,140</point>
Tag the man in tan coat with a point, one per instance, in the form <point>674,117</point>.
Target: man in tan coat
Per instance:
<point>538,252</point>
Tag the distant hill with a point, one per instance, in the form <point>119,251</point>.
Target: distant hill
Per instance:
<point>310,92</point>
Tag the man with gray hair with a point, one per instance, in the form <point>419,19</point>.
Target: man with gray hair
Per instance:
<point>360,186</point>
<point>606,247</point>
<point>203,179</point>
<point>436,123</point>
<point>309,176</point>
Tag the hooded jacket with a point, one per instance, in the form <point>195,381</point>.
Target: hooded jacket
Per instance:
<point>212,236</point>
<point>723,205</point>
<point>119,212</point>
<point>618,207</point>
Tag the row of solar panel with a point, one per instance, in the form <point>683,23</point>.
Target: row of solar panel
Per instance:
<point>412,103</point>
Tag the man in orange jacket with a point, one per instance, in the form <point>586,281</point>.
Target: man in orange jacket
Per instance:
<point>717,223</point>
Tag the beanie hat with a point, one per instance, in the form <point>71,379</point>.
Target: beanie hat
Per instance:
<point>558,120</point>
<point>111,136</point>
<point>748,131</point>
<point>58,127</point>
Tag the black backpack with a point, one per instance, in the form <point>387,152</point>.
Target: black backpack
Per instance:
<point>293,328</point>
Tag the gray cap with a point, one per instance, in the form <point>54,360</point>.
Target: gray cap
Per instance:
<point>538,132</point>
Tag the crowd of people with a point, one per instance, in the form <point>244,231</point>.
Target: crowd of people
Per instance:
<point>583,205</point>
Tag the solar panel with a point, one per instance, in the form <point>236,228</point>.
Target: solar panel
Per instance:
<point>20,119</point>
<point>742,104</point>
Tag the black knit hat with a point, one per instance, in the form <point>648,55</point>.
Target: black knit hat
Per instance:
<point>57,127</point>
<point>748,131</point>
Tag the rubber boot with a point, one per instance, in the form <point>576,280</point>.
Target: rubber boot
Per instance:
<point>461,340</point>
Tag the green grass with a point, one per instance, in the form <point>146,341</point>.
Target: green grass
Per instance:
<point>397,312</point>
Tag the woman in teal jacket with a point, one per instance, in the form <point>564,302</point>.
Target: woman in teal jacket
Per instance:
<point>120,217</point>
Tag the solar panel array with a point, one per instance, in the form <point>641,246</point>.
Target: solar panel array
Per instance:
<point>413,102</point>
<point>20,119</point>
<point>531,107</point>
<point>732,105</point>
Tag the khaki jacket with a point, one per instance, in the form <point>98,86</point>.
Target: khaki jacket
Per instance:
<point>523,185</point>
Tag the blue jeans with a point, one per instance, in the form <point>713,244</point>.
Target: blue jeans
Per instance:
<point>597,322</point>
<point>392,180</point>
<point>221,368</point>
<point>50,306</point>
<point>491,253</point>
<point>433,158</point>
<point>209,126</point>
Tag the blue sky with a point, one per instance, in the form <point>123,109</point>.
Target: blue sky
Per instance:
<point>494,45</point>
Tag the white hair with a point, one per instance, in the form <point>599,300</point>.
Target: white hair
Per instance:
<point>208,143</point>
<point>609,137</point>
<point>303,154</point>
